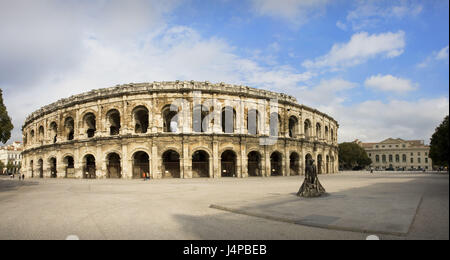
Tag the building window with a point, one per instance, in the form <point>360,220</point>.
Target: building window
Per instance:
<point>412,160</point>
<point>404,158</point>
<point>426,154</point>
<point>397,158</point>
<point>377,158</point>
<point>383,158</point>
<point>376,146</point>
<point>382,146</point>
<point>412,154</point>
<point>390,158</point>
<point>370,155</point>
<point>403,146</point>
<point>426,160</point>
<point>418,153</point>
<point>418,160</point>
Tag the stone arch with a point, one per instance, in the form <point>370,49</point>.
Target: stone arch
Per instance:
<point>307,128</point>
<point>275,124</point>
<point>113,166</point>
<point>89,124</point>
<point>200,164</point>
<point>41,133</point>
<point>41,168</point>
<point>141,164</point>
<point>327,165</point>
<point>199,124</point>
<point>228,162</point>
<point>254,163</point>
<point>89,166</point>
<point>171,164</point>
<point>326,133</point>
<point>53,131</point>
<point>140,119</point>
<point>69,128</point>
<point>69,164</point>
<point>53,166</point>
<point>113,121</point>
<point>319,164</point>
<point>318,130</point>
<point>228,120</point>
<point>171,123</point>
<point>253,121</point>
<point>294,164</point>
<point>276,164</point>
<point>32,168</point>
<point>293,127</point>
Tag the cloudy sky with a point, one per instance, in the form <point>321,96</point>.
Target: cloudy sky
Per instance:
<point>380,68</point>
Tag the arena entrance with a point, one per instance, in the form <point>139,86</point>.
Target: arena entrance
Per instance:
<point>89,167</point>
<point>254,164</point>
<point>70,167</point>
<point>228,164</point>
<point>141,165</point>
<point>200,165</point>
<point>276,164</point>
<point>113,166</point>
<point>171,164</point>
<point>294,164</point>
<point>53,173</point>
<point>41,168</point>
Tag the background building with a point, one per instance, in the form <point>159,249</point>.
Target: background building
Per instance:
<point>398,154</point>
<point>11,154</point>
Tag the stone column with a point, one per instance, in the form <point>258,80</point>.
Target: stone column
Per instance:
<point>216,159</point>
<point>155,164</point>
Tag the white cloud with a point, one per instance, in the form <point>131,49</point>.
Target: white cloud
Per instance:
<point>341,25</point>
<point>442,54</point>
<point>369,14</point>
<point>374,120</point>
<point>389,83</point>
<point>327,92</point>
<point>359,49</point>
<point>297,12</point>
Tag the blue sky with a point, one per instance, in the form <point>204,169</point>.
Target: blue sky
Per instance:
<point>380,68</point>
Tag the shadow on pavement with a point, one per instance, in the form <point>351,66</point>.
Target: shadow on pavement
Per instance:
<point>14,184</point>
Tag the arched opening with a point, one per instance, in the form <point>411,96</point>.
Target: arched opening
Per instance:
<point>332,135</point>
<point>90,124</point>
<point>171,164</point>
<point>254,164</point>
<point>41,168</point>
<point>70,167</point>
<point>293,124</point>
<point>199,125</point>
<point>140,115</point>
<point>113,117</point>
<point>332,164</point>
<point>318,130</point>
<point>307,129</point>
<point>113,166</point>
<point>253,122</point>
<point>228,120</point>
<point>170,119</point>
<point>141,165</point>
<point>41,134</point>
<point>89,167</point>
<point>327,170</point>
<point>319,164</point>
<point>326,133</point>
<point>53,131</point>
<point>32,136</point>
<point>276,164</point>
<point>32,169</point>
<point>69,126</point>
<point>200,164</point>
<point>228,164</point>
<point>53,169</point>
<point>294,164</point>
<point>275,124</point>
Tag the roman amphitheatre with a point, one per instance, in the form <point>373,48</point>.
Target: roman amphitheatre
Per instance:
<point>179,129</point>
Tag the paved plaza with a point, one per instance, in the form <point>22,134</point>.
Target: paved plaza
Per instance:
<point>358,204</point>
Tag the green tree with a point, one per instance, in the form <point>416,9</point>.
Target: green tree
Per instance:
<point>2,167</point>
<point>5,122</point>
<point>439,144</point>
<point>353,156</point>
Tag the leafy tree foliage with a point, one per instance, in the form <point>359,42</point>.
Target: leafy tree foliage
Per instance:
<point>353,156</point>
<point>5,122</point>
<point>439,144</point>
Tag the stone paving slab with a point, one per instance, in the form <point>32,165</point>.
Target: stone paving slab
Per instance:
<point>390,214</point>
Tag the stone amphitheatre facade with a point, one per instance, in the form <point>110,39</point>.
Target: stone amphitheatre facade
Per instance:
<point>181,129</point>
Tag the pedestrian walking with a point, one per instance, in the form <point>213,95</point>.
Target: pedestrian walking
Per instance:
<point>144,176</point>
<point>23,176</point>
